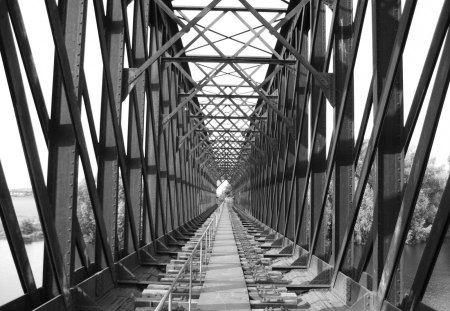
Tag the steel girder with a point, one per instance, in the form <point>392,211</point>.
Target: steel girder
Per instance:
<point>259,121</point>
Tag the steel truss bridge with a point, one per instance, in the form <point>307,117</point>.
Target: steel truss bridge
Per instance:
<point>192,94</point>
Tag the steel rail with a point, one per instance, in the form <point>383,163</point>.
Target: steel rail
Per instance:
<point>206,234</point>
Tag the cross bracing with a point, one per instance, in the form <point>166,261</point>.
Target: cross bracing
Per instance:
<point>264,94</point>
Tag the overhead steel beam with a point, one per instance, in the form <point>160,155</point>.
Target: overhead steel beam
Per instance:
<point>226,117</point>
<point>139,71</point>
<point>227,96</point>
<point>228,131</point>
<point>320,77</point>
<point>230,60</point>
<point>228,8</point>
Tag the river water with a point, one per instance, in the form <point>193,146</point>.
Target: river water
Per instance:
<point>10,287</point>
<point>437,295</point>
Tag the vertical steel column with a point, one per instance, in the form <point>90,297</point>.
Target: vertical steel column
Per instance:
<point>195,165</point>
<point>389,158</point>
<point>271,168</point>
<point>187,170</point>
<point>63,155</point>
<point>281,152</point>
<point>190,180</point>
<point>133,155</point>
<point>318,160</point>
<point>181,168</point>
<point>108,171</point>
<point>153,126</point>
<point>343,169</point>
<point>294,142</point>
<point>264,173</point>
<point>255,188</point>
<point>163,141</point>
<point>172,156</point>
<point>302,140</point>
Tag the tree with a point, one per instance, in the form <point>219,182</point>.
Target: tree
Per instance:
<point>429,198</point>
<point>85,214</point>
<point>427,203</point>
<point>27,227</point>
<point>365,217</point>
<point>419,228</point>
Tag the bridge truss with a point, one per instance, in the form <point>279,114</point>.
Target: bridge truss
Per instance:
<point>206,103</point>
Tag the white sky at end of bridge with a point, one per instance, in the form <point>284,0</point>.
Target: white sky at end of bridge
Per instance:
<point>36,23</point>
<point>222,186</point>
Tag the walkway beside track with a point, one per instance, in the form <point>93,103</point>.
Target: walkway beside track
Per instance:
<point>224,287</point>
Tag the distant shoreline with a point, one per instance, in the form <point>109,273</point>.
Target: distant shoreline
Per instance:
<point>28,219</point>
<point>21,192</point>
<point>27,238</point>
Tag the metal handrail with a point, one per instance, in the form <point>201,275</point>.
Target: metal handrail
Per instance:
<point>207,234</point>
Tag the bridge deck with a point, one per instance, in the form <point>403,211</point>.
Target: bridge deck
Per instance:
<point>241,274</point>
<point>235,276</point>
<point>224,287</point>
